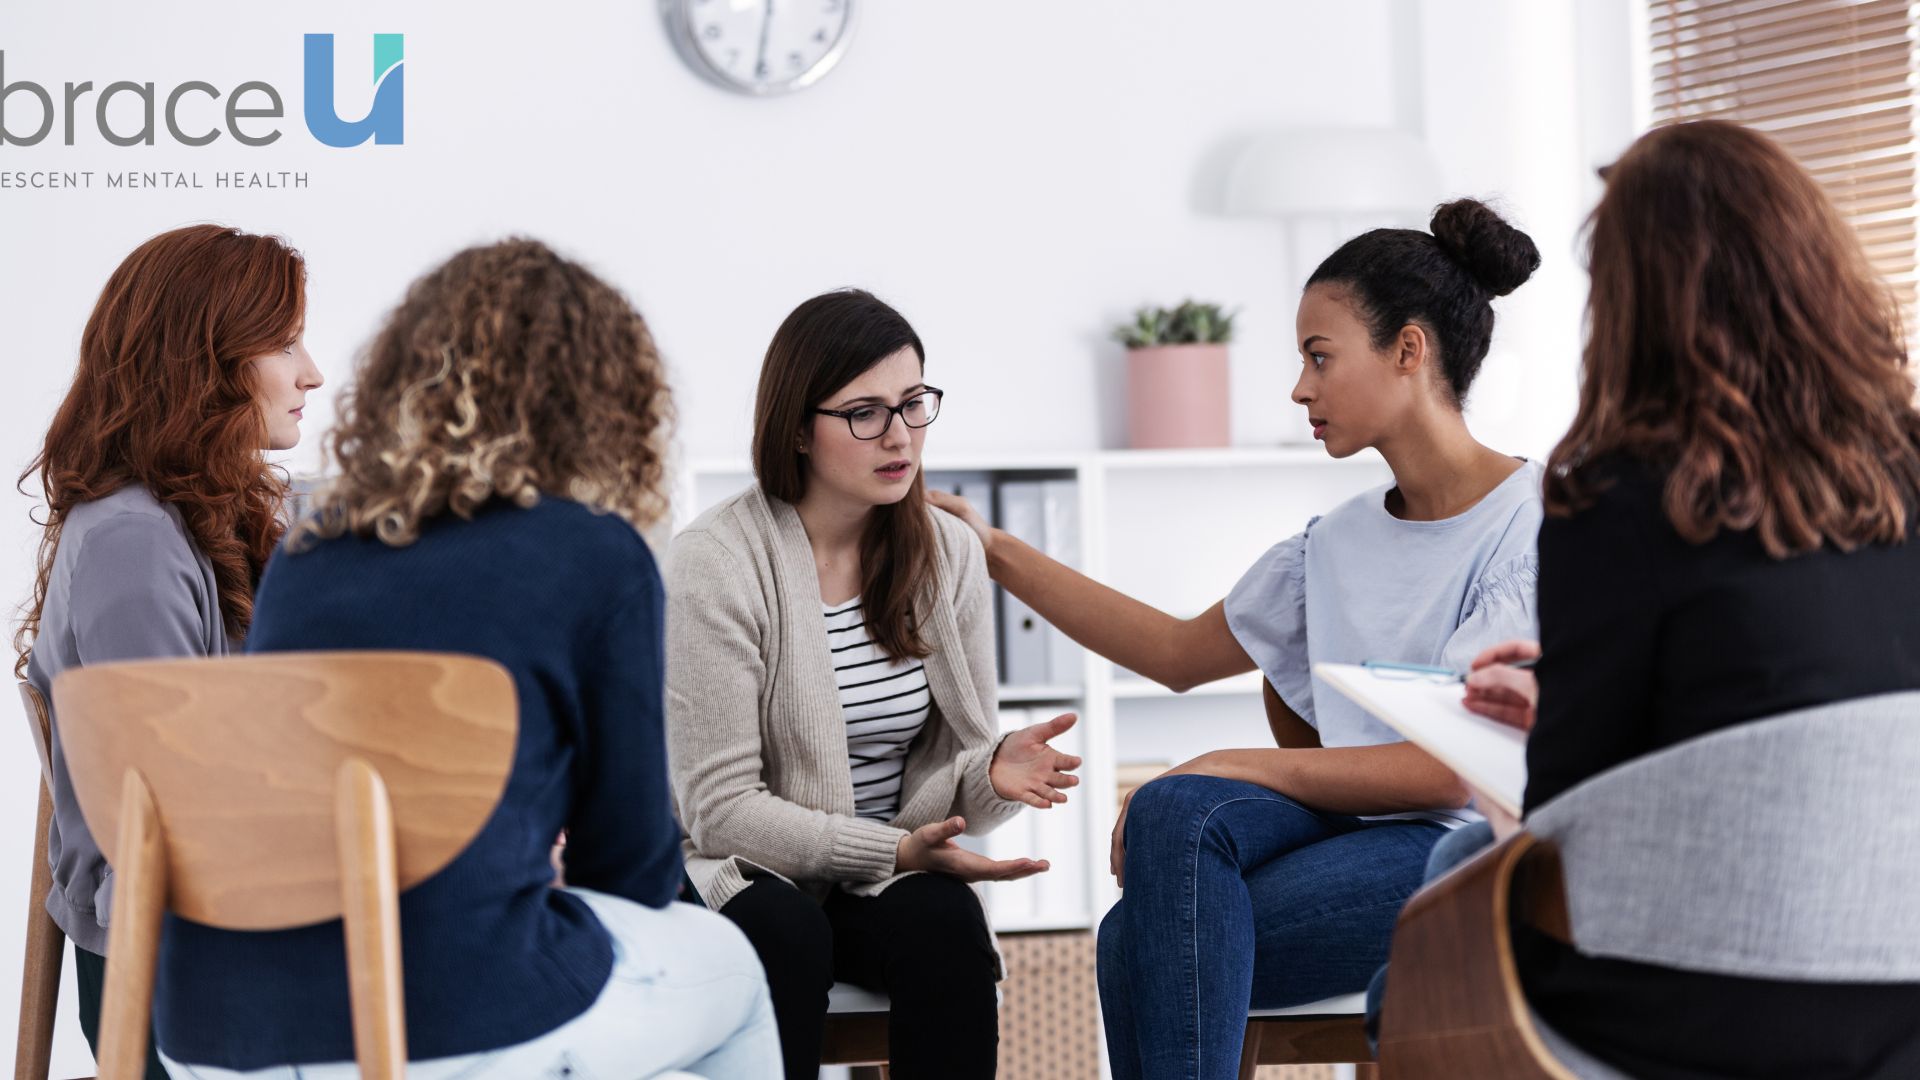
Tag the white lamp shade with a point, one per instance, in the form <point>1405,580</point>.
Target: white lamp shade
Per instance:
<point>1332,171</point>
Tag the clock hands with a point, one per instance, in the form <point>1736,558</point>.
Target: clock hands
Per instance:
<point>766,28</point>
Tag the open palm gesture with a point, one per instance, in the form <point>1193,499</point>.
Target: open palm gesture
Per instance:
<point>1027,769</point>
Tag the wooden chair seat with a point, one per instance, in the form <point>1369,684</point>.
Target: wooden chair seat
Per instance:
<point>856,1032</point>
<point>1343,1005</point>
<point>846,999</point>
<point>1326,1032</point>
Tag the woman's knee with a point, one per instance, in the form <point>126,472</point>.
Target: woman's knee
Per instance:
<point>725,947</point>
<point>788,931</point>
<point>1110,947</point>
<point>1457,847</point>
<point>941,923</point>
<point>939,897</point>
<point>1176,809</point>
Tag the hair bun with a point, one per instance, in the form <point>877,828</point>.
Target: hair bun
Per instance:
<point>1497,255</point>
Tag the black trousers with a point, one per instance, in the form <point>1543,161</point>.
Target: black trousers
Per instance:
<point>90,982</point>
<point>923,941</point>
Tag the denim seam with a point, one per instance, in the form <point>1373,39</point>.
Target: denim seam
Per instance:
<point>1193,904</point>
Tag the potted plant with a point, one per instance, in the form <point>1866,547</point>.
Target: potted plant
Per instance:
<point>1177,378</point>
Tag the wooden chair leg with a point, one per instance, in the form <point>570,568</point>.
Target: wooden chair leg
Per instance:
<point>369,884</point>
<point>1250,1052</point>
<point>133,940</point>
<point>40,974</point>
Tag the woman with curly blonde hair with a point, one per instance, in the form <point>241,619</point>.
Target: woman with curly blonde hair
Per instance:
<point>497,457</point>
<point>161,509</point>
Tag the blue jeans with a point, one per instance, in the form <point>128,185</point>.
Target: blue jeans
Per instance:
<point>1237,897</point>
<point>1455,848</point>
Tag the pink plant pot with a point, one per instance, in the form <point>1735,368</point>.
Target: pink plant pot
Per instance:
<point>1177,397</point>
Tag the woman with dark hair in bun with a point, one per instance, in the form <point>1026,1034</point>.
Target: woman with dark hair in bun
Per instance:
<point>1269,877</point>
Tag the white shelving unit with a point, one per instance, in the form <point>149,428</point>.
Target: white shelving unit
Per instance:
<point>1176,529</point>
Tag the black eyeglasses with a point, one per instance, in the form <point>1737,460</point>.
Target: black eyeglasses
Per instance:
<point>869,422</point>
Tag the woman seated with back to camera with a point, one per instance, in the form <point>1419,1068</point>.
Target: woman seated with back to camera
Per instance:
<point>1729,537</point>
<point>497,455</point>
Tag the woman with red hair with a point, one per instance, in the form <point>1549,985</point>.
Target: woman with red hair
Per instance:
<point>161,509</point>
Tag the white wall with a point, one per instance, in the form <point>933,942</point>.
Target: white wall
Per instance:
<point>1014,176</point>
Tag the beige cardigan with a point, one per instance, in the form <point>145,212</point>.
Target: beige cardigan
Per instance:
<point>755,734</point>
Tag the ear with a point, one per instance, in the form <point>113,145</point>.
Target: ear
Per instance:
<point>1411,349</point>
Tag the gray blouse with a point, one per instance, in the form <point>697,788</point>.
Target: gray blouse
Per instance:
<point>128,583</point>
<point>1360,584</point>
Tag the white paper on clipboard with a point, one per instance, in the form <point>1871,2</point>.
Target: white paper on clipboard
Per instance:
<point>1488,755</point>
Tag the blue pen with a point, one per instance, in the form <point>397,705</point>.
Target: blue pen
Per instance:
<point>1442,673</point>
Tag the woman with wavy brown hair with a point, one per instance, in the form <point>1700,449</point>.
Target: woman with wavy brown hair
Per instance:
<point>497,456</point>
<point>1729,537</point>
<point>161,509</point>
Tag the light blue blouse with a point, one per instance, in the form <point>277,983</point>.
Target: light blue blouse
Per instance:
<point>1360,584</point>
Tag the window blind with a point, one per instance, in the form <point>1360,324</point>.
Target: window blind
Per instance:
<point>1832,80</point>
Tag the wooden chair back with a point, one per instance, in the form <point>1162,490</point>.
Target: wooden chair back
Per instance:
<point>40,968</point>
<point>280,790</point>
<point>1454,1005</point>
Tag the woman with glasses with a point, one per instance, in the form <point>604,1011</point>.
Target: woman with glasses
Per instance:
<point>1272,877</point>
<point>831,703</point>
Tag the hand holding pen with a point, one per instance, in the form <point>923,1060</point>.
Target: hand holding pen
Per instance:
<point>1501,686</point>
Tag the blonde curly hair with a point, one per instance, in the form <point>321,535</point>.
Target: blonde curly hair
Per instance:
<point>509,372</point>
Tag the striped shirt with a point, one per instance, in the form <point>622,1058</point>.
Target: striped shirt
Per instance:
<point>885,703</point>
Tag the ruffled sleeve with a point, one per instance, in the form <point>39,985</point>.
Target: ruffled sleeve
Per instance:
<point>1501,606</point>
<point>1267,612</point>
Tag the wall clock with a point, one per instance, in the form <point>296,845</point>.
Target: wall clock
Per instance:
<point>760,47</point>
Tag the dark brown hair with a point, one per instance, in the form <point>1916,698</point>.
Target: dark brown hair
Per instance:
<point>164,397</point>
<point>506,372</point>
<point>826,343</point>
<point>1737,335</point>
<point>1445,281</point>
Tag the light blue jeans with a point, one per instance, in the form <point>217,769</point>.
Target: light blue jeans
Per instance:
<point>1237,897</point>
<point>687,996</point>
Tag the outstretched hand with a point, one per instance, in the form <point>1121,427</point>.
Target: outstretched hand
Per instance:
<point>1027,769</point>
<point>931,848</point>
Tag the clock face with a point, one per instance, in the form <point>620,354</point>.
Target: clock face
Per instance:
<point>761,46</point>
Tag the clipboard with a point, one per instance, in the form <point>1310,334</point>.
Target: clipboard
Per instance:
<point>1488,755</point>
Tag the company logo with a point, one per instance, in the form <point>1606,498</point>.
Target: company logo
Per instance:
<point>386,122</point>
<point>250,102</point>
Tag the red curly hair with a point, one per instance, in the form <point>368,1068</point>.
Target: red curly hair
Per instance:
<point>164,398</point>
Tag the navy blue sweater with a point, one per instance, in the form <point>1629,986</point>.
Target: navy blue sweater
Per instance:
<point>570,602</point>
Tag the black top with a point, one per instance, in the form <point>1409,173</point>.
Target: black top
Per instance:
<point>1648,641</point>
<point>570,602</point>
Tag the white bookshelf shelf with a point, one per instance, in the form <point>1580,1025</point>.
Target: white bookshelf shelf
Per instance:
<point>1174,528</point>
<point>1133,688</point>
<point>1040,695</point>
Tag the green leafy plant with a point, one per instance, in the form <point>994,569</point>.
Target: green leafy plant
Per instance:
<point>1191,323</point>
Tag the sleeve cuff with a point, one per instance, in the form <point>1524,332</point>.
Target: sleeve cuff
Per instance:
<point>976,790</point>
<point>865,850</point>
